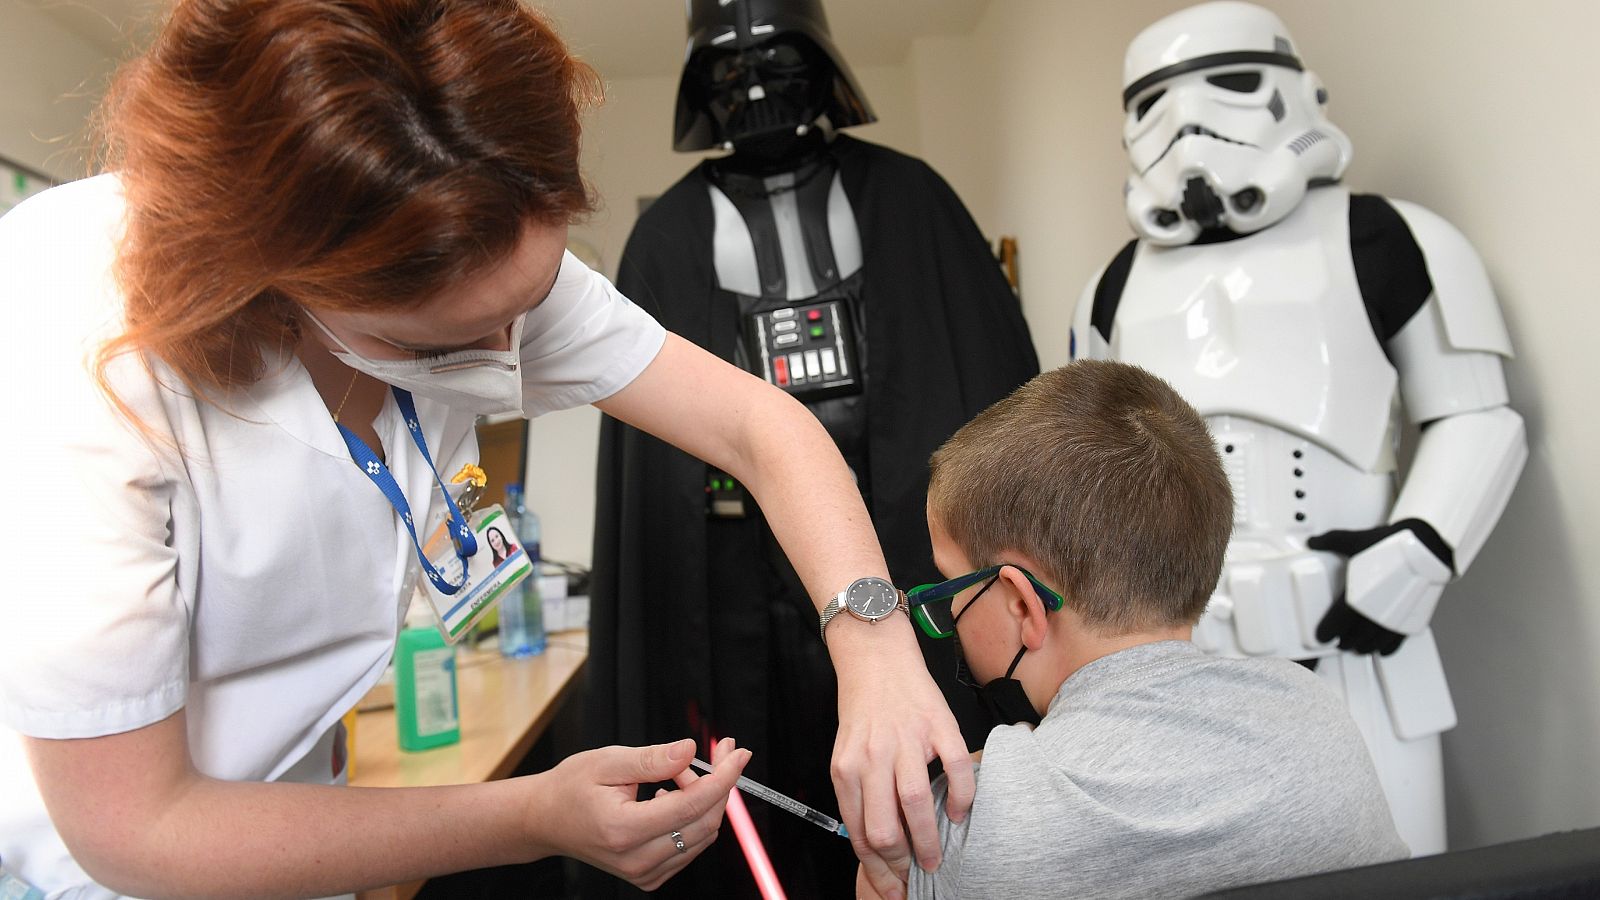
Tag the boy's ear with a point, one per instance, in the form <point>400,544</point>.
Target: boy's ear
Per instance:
<point>1024,605</point>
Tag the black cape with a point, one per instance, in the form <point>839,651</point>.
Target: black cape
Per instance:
<point>699,627</point>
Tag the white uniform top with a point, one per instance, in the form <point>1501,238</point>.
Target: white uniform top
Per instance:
<point>253,579</point>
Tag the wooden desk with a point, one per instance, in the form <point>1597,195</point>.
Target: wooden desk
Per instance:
<point>506,704</point>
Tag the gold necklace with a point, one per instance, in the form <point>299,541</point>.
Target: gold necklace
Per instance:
<point>347,390</point>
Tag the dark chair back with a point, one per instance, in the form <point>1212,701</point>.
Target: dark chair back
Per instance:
<point>1561,866</point>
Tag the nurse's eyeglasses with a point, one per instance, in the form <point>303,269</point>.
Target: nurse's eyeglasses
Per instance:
<point>931,604</point>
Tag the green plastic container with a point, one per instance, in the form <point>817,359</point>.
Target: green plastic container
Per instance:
<point>425,690</point>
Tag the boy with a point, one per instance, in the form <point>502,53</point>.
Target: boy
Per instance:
<point>1082,522</point>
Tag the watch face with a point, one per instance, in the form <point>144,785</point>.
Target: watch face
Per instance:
<point>872,598</point>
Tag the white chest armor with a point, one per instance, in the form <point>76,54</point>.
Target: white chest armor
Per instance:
<point>1269,327</point>
<point>1268,338</point>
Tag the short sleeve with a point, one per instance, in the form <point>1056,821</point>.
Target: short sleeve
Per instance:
<point>584,343</point>
<point>95,635</point>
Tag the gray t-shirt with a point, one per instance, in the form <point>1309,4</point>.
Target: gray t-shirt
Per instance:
<point>1162,772</point>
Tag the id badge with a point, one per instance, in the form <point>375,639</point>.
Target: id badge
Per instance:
<point>500,563</point>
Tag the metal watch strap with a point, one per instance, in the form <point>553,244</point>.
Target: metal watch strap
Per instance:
<point>833,608</point>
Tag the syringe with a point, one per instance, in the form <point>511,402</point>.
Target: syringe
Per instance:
<point>784,802</point>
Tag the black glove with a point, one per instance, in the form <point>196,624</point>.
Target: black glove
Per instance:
<point>1354,631</point>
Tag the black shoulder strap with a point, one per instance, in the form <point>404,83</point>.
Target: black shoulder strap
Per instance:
<point>1391,271</point>
<point>811,196</point>
<point>756,211</point>
<point>1108,293</point>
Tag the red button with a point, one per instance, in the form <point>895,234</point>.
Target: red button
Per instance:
<point>780,371</point>
<point>814,314</point>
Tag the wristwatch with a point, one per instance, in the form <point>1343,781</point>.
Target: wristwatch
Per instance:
<point>868,599</point>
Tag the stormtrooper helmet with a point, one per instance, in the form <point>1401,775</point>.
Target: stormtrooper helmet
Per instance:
<point>761,70</point>
<point>1225,129</point>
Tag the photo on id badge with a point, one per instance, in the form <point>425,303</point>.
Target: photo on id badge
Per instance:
<point>499,564</point>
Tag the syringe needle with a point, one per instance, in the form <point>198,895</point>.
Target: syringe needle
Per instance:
<point>783,801</point>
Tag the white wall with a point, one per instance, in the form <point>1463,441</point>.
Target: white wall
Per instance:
<point>1481,111</point>
<point>50,81</point>
<point>957,116</point>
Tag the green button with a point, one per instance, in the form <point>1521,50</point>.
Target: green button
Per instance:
<point>817,331</point>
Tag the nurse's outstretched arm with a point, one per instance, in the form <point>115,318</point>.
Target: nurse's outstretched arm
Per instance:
<point>892,719</point>
<point>141,821</point>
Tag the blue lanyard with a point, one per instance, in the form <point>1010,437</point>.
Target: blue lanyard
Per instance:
<point>466,543</point>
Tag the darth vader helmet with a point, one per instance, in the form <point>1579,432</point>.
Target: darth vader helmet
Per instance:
<point>1225,129</point>
<point>761,70</point>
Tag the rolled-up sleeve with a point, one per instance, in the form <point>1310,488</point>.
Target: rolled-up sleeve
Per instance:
<point>584,343</point>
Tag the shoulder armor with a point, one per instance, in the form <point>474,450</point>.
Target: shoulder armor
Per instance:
<point>1472,319</point>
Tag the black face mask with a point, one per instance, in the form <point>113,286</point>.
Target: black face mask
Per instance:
<point>794,78</point>
<point>1004,697</point>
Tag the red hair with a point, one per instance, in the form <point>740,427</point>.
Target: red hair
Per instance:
<point>344,154</point>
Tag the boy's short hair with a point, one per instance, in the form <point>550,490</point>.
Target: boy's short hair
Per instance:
<point>1107,479</point>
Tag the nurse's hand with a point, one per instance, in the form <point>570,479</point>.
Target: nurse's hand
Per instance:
<point>586,808</point>
<point>892,722</point>
<point>865,889</point>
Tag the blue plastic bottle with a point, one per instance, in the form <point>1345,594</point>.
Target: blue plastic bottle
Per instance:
<point>521,608</point>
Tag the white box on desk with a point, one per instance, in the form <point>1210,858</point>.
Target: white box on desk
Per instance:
<point>553,592</point>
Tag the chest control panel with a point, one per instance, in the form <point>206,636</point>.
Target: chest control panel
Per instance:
<point>807,349</point>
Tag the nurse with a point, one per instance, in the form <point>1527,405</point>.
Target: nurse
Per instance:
<point>329,227</point>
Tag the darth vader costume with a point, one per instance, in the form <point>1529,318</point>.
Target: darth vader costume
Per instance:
<point>853,277</point>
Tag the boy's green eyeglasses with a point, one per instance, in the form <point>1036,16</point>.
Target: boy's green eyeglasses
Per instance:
<point>931,603</point>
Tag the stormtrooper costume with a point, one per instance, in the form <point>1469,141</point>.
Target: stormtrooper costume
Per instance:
<point>1302,321</point>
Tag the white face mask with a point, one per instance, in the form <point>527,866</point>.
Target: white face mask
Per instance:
<point>484,382</point>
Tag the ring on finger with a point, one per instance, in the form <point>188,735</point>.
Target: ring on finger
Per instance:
<point>677,841</point>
